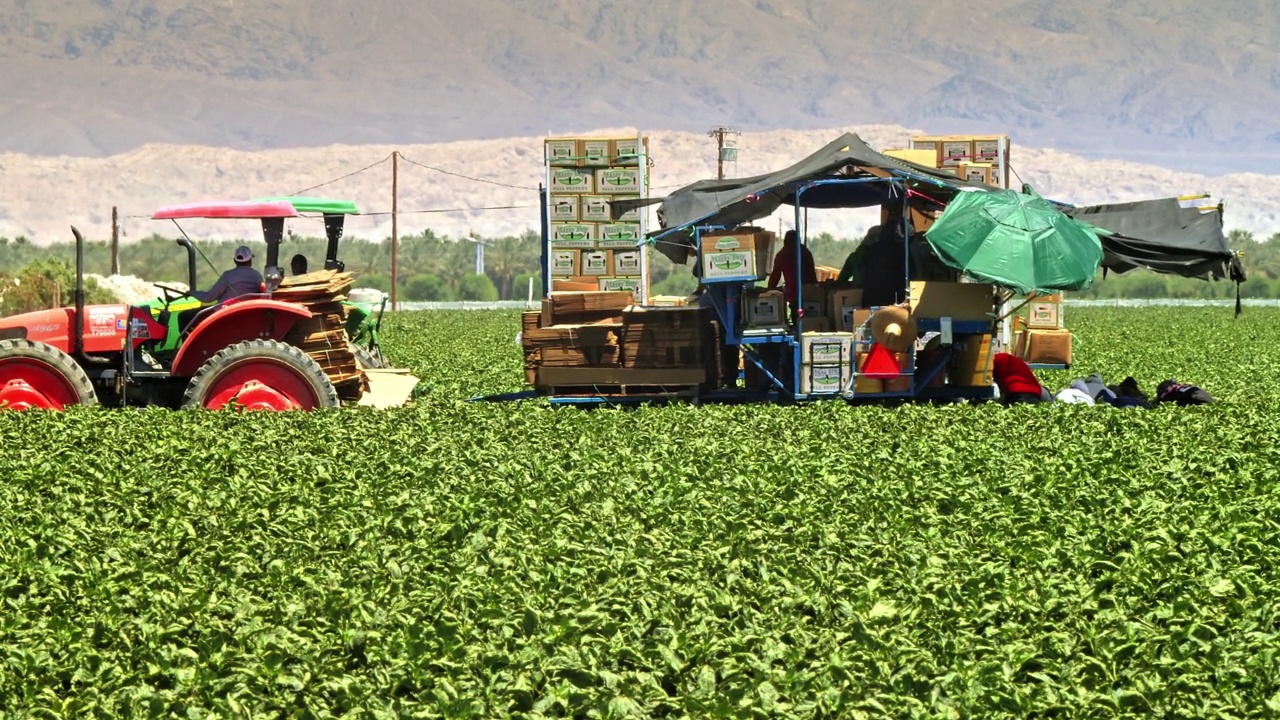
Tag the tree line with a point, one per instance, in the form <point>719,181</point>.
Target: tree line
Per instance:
<point>437,267</point>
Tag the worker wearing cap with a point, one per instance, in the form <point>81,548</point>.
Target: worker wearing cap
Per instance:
<point>239,280</point>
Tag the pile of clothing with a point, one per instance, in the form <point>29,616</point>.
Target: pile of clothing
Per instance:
<point>1093,390</point>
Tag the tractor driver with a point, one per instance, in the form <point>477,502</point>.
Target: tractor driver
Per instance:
<point>239,280</point>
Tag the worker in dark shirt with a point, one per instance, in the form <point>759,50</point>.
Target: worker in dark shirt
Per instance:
<point>884,262</point>
<point>784,268</point>
<point>239,280</point>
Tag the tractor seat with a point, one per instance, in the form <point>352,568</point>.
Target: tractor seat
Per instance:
<point>186,318</point>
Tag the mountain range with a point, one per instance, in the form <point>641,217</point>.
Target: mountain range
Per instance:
<point>1182,84</point>
<point>490,186</point>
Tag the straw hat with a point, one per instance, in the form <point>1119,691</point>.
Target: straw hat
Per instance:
<point>894,328</point>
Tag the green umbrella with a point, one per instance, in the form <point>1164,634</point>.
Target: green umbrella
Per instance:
<point>1017,241</point>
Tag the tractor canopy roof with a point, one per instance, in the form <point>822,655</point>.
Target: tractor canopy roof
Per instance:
<point>232,210</point>
<point>322,206</point>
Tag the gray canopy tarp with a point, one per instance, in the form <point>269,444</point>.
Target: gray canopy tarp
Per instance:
<point>1163,236</point>
<point>732,202</point>
<point>1160,235</point>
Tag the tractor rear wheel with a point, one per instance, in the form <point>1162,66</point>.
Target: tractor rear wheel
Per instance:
<point>260,375</point>
<point>36,375</point>
<point>367,359</point>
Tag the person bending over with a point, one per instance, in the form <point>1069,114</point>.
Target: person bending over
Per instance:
<point>1016,381</point>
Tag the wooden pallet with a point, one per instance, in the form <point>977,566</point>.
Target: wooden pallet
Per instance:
<point>630,391</point>
<point>586,379</point>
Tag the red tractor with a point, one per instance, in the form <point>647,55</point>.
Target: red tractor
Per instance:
<point>156,354</point>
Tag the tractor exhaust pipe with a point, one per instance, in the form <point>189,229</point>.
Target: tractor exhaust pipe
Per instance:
<point>333,233</point>
<point>78,337</point>
<point>191,263</point>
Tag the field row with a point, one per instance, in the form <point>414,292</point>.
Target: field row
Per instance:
<point>483,560</point>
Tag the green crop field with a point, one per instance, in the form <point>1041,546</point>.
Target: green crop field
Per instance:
<point>487,560</point>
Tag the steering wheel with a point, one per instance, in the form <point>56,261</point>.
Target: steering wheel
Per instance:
<point>170,293</point>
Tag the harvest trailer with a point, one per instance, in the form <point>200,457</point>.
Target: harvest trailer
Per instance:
<point>736,342</point>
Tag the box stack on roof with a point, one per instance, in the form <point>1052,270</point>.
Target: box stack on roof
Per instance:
<point>323,336</point>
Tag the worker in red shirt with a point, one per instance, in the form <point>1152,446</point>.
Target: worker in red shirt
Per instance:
<point>784,267</point>
<point>1016,381</point>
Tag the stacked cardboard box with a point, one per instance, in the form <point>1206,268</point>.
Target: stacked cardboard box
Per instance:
<point>826,367</point>
<point>1050,347</point>
<point>1044,312</point>
<point>591,241</point>
<point>973,157</point>
<point>746,252</point>
<point>763,308</point>
<point>841,304</point>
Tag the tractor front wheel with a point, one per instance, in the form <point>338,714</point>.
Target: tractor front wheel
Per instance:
<point>36,375</point>
<point>367,359</point>
<point>260,375</point>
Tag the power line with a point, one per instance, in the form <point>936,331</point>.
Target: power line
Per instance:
<point>344,177</point>
<point>466,177</point>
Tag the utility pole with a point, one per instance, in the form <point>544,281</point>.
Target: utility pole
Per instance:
<point>115,240</point>
<point>723,152</point>
<point>395,228</point>
<point>475,238</point>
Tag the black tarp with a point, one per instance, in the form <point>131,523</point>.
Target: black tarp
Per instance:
<point>1160,235</point>
<point>732,202</point>
<point>1163,236</point>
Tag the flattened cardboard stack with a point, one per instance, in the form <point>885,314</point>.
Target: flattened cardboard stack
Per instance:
<point>323,336</point>
<point>573,330</point>
<point>722,361</point>
<point>584,308</point>
<point>573,346</point>
<point>597,340</point>
<point>669,337</point>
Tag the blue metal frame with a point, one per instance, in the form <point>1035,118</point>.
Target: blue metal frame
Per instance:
<point>723,296</point>
<point>898,187</point>
<point>546,240</point>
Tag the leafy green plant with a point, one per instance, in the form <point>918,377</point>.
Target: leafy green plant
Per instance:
<point>477,560</point>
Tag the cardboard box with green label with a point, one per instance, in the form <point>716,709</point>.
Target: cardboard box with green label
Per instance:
<point>564,208</point>
<point>564,263</point>
<point>729,255</point>
<point>595,153</point>
<point>596,263</point>
<point>615,284</point>
<point>572,181</point>
<point>573,235</point>
<point>562,153</point>
<point>618,181</point>
<point>618,235</point>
